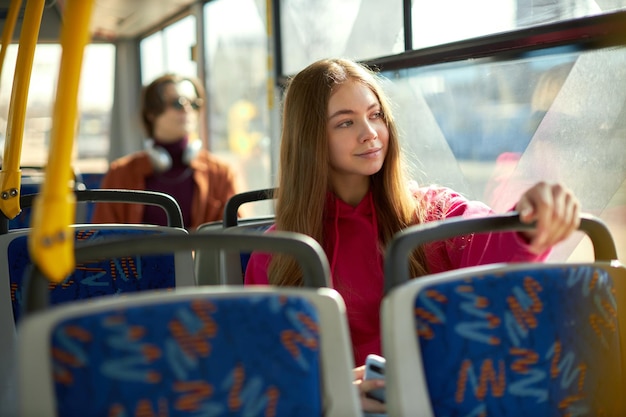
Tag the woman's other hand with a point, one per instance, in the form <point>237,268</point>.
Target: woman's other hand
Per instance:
<point>369,405</point>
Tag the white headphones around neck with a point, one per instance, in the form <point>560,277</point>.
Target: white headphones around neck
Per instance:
<point>161,159</point>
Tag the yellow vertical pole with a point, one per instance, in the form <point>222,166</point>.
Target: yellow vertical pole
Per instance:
<point>51,242</point>
<point>10,175</point>
<point>9,27</point>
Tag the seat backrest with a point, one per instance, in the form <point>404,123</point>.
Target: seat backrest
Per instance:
<point>94,279</point>
<point>222,267</point>
<point>105,277</point>
<point>228,268</point>
<point>211,351</point>
<point>234,264</point>
<point>517,339</point>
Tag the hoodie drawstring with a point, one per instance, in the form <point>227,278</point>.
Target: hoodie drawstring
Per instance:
<point>336,248</point>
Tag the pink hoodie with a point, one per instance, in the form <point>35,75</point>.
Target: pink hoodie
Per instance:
<point>351,245</point>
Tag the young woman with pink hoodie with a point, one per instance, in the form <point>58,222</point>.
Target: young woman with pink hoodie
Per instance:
<point>342,181</point>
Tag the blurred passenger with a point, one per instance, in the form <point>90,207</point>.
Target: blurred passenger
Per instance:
<point>173,161</point>
<point>342,181</point>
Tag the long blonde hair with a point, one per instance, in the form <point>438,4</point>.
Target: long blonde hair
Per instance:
<point>304,165</point>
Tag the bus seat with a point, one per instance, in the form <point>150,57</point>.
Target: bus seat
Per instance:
<point>16,261</point>
<point>207,351</point>
<point>516,339</point>
<point>228,268</point>
<point>235,264</point>
<point>115,276</point>
<point>505,340</point>
<point>105,277</point>
<point>211,351</point>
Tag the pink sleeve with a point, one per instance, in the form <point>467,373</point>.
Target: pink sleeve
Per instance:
<point>476,249</point>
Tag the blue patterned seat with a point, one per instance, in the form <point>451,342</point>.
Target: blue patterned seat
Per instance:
<point>212,350</point>
<point>512,341</point>
<point>107,277</point>
<point>218,351</point>
<point>111,277</point>
<point>516,339</point>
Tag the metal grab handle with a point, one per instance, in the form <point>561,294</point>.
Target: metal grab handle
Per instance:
<point>232,205</point>
<point>155,198</point>
<point>405,241</point>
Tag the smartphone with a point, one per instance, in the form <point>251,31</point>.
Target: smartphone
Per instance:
<point>375,369</point>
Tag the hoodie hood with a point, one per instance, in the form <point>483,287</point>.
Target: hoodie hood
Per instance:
<point>340,215</point>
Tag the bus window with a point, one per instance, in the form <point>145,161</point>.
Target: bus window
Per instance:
<point>353,28</point>
<point>91,147</point>
<point>436,23</point>
<point>239,91</point>
<point>95,101</point>
<point>169,50</point>
<point>491,128</point>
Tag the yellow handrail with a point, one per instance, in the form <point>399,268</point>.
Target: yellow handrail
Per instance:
<point>51,242</point>
<point>10,175</point>
<point>9,27</point>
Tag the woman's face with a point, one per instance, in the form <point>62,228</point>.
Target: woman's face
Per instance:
<point>357,133</point>
<point>180,116</point>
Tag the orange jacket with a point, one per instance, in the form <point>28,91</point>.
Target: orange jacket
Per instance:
<point>215,182</point>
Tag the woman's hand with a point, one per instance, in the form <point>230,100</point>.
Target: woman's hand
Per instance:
<point>369,405</point>
<point>556,211</point>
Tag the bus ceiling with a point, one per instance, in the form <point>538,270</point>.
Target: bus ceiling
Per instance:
<point>117,19</point>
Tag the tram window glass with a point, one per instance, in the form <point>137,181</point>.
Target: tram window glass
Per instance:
<point>358,29</point>
<point>490,128</point>
<point>152,51</point>
<point>239,90</point>
<point>95,101</point>
<point>169,50</point>
<point>436,23</point>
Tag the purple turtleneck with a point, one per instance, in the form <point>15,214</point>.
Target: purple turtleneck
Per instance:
<point>177,182</point>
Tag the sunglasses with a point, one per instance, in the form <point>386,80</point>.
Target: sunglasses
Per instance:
<point>179,103</point>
